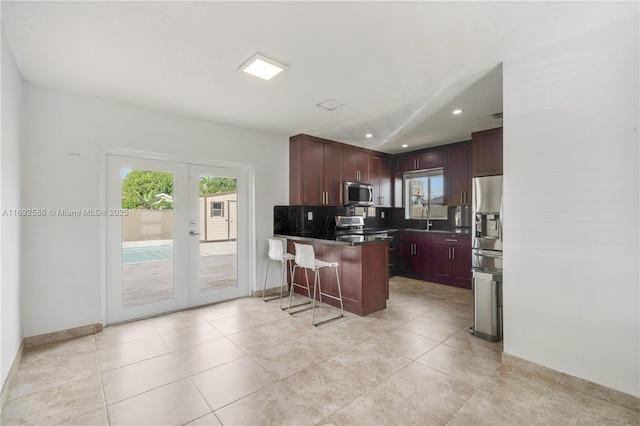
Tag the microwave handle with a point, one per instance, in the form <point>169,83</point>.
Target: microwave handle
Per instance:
<point>371,195</point>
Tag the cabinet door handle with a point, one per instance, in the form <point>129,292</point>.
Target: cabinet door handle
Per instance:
<point>453,253</point>
<point>449,251</point>
<point>451,240</point>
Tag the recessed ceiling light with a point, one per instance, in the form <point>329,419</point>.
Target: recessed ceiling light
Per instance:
<point>457,111</point>
<point>404,145</point>
<point>262,67</point>
<point>368,135</point>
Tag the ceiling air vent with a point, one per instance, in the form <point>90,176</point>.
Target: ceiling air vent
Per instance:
<point>330,104</point>
<point>497,116</point>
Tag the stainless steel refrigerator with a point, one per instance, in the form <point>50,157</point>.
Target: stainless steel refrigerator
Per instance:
<point>487,257</point>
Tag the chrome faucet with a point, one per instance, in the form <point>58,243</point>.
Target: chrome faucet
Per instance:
<point>425,209</point>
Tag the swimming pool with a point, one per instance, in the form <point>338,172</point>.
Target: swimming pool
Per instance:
<point>146,254</point>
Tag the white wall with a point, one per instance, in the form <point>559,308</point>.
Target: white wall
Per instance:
<point>10,326</point>
<point>571,195</point>
<point>61,255</point>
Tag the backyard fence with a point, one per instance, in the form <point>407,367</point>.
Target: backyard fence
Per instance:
<point>144,225</point>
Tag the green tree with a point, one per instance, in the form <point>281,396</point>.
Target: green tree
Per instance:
<point>214,185</point>
<point>141,187</point>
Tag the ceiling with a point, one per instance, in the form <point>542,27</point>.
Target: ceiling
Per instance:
<point>399,68</point>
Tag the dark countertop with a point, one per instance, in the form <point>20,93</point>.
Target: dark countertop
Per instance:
<point>367,239</point>
<point>457,231</point>
<point>338,241</point>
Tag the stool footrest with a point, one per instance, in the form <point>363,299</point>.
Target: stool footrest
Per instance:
<point>330,296</point>
<point>329,319</point>
<point>271,298</point>
<point>300,310</point>
<point>299,304</point>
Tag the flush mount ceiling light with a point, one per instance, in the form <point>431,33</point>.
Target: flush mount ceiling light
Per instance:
<point>457,111</point>
<point>404,145</point>
<point>368,135</point>
<point>330,104</point>
<point>262,67</point>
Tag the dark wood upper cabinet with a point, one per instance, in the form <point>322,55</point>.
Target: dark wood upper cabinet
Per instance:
<point>355,166</point>
<point>458,175</point>
<point>422,161</point>
<point>487,152</point>
<point>318,167</point>
<point>380,176</point>
<point>314,172</point>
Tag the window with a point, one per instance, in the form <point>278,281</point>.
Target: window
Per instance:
<point>217,209</point>
<point>424,195</point>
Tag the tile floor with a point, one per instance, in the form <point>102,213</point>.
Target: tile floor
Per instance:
<point>246,362</point>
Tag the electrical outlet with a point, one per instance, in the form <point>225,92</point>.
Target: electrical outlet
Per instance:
<point>309,215</point>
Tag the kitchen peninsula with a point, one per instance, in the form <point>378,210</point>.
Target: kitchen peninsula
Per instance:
<point>363,267</point>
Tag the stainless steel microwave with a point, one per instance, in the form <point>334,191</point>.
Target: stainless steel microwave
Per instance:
<point>357,194</point>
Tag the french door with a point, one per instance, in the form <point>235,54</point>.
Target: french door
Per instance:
<point>176,236</point>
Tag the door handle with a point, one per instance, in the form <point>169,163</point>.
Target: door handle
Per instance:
<point>192,233</point>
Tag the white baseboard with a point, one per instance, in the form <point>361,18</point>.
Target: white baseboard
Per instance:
<point>580,385</point>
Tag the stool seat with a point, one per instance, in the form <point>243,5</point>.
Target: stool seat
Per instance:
<point>305,258</point>
<point>277,254</point>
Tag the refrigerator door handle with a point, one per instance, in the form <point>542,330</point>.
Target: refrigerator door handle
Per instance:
<point>487,254</point>
<point>500,224</point>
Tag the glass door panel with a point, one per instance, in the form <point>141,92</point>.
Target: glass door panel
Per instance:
<point>217,193</point>
<point>145,254</point>
<point>147,237</point>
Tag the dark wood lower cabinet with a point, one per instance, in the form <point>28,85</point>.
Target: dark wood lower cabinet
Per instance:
<point>363,272</point>
<point>444,259</point>
<point>415,256</point>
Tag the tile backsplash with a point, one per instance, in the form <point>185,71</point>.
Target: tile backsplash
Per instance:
<point>313,219</point>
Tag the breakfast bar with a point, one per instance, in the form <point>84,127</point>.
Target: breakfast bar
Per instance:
<point>363,270</point>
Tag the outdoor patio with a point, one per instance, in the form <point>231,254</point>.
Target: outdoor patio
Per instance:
<point>152,281</point>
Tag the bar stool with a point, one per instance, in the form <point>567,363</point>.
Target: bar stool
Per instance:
<point>277,254</point>
<point>305,258</point>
